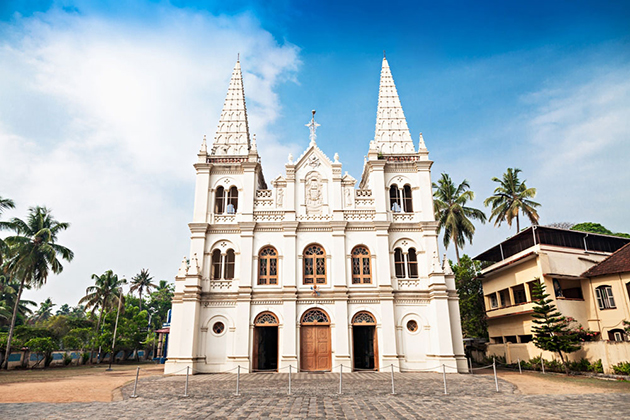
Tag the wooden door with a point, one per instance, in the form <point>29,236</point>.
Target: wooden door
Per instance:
<point>315,348</point>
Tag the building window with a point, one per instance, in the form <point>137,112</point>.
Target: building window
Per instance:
<point>266,319</point>
<point>525,338</point>
<point>218,327</point>
<point>519,294</point>
<point>216,264</point>
<point>314,265</point>
<point>412,263</point>
<point>412,326</point>
<point>268,266</point>
<point>226,201</point>
<point>229,264</point>
<point>567,289</point>
<point>496,340</point>
<point>605,298</point>
<point>361,265</point>
<point>494,303</point>
<point>400,199</point>
<point>399,263</point>
<point>617,335</point>
<point>504,296</point>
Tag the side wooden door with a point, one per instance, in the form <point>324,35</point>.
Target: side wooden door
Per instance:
<point>315,348</point>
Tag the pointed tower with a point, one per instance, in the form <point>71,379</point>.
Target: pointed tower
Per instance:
<point>232,137</point>
<point>392,133</point>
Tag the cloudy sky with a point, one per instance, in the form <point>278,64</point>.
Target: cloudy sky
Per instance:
<point>104,107</point>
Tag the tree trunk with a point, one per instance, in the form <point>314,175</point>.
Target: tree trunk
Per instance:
<point>98,327</point>
<point>518,225</point>
<point>566,368</point>
<point>140,299</point>
<point>12,328</point>
<point>457,253</point>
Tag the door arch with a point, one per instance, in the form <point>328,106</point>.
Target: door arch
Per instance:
<point>364,343</point>
<point>265,351</point>
<point>315,341</point>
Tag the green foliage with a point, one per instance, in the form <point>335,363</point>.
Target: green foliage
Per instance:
<point>471,303</point>
<point>551,330</point>
<point>43,346</point>
<point>597,228</point>
<point>510,198</point>
<point>622,368</point>
<point>140,282</point>
<point>132,329</point>
<point>67,359</point>
<point>452,214</point>
<point>160,303</point>
<point>16,343</point>
<point>85,357</point>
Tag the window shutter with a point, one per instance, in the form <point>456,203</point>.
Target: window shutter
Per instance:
<point>611,299</point>
<point>600,299</point>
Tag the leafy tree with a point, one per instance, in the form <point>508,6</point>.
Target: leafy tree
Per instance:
<point>5,203</point>
<point>45,310</point>
<point>105,294</point>
<point>597,228</point>
<point>43,346</point>
<point>63,310</point>
<point>551,329</point>
<point>140,282</point>
<point>8,297</point>
<point>132,329</point>
<point>34,253</point>
<point>471,303</point>
<point>510,198</point>
<point>160,303</point>
<point>452,214</point>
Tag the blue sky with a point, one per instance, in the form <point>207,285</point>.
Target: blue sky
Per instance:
<point>109,102</point>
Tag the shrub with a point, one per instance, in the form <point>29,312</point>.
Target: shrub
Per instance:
<point>44,346</point>
<point>622,368</point>
<point>85,357</point>
<point>535,363</point>
<point>67,359</point>
<point>597,367</point>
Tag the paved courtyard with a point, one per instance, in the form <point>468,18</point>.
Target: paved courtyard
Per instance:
<point>365,395</point>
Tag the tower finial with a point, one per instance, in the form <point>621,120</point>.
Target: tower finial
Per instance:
<point>313,127</point>
<point>238,57</point>
<point>384,56</point>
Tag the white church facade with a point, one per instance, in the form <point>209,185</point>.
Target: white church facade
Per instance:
<point>313,270</point>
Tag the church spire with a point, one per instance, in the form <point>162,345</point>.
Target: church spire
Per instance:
<point>392,134</point>
<point>232,137</point>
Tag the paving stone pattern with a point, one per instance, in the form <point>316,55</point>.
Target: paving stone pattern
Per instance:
<point>365,395</point>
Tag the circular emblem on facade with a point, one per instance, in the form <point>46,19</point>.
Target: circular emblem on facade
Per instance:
<point>412,326</point>
<point>218,327</point>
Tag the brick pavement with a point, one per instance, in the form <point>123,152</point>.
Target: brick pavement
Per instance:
<point>365,395</point>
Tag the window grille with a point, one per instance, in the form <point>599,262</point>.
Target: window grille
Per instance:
<point>314,265</point>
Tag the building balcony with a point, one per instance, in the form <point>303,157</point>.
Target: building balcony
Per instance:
<point>518,309</point>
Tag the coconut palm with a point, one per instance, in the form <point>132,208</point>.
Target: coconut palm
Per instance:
<point>510,198</point>
<point>140,282</point>
<point>451,213</point>
<point>7,302</point>
<point>33,254</point>
<point>45,310</point>
<point>105,294</point>
<point>5,203</point>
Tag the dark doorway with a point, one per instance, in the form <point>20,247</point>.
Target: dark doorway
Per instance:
<point>266,348</point>
<point>363,345</point>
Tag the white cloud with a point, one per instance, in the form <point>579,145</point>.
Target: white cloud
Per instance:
<point>104,120</point>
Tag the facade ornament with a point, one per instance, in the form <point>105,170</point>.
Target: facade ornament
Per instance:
<point>314,162</point>
<point>193,270</point>
<point>336,157</point>
<point>183,268</point>
<point>421,144</point>
<point>204,145</point>
<point>349,196</point>
<point>314,196</point>
<point>280,198</point>
<point>436,266</point>
<point>290,159</point>
<point>446,267</point>
<point>254,146</point>
<point>313,128</point>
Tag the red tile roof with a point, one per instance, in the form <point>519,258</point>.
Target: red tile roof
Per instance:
<point>618,262</point>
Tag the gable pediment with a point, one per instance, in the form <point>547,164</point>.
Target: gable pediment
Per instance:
<point>313,159</point>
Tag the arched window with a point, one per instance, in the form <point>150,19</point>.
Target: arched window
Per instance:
<point>361,265</point>
<point>315,316</point>
<point>399,263</point>
<point>394,199</point>
<point>219,201</point>
<point>216,264</point>
<point>266,319</point>
<point>407,204</point>
<point>363,318</point>
<point>229,264</point>
<point>232,200</point>
<point>412,263</point>
<point>314,265</point>
<point>268,266</point>
<point>605,299</point>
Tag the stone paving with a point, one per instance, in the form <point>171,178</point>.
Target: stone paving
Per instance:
<point>365,395</point>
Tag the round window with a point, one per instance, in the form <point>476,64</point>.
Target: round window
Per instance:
<point>218,327</point>
<point>412,326</point>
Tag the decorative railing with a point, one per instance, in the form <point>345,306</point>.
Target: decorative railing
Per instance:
<point>314,217</point>
<point>403,217</point>
<point>268,216</point>
<point>363,193</point>
<point>224,218</point>
<point>263,194</point>
<point>358,215</point>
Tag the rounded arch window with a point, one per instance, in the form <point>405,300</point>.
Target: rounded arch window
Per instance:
<point>268,266</point>
<point>361,265</point>
<point>315,316</point>
<point>412,326</point>
<point>218,327</point>
<point>314,265</point>
<point>266,319</point>
<point>363,318</point>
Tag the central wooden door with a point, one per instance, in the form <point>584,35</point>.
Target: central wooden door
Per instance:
<point>315,348</point>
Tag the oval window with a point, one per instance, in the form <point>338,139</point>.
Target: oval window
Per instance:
<point>218,327</point>
<point>412,326</point>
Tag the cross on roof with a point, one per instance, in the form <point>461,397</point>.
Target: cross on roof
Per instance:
<point>313,127</point>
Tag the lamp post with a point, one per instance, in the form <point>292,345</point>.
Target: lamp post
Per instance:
<point>115,329</point>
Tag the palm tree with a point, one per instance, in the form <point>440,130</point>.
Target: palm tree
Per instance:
<point>34,253</point>
<point>5,203</point>
<point>449,204</point>
<point>140,282</point>
<point>105,293</point>
<point>45,310</point>
<point>510,198</point>
<point>7,302</point>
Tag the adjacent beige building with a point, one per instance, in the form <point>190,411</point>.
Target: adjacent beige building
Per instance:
<point>573,266</point>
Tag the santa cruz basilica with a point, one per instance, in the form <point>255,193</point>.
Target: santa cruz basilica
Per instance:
<point>314,269</point>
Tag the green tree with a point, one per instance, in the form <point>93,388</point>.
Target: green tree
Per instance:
<point>160,303</point>
<point>510,198</point>
<point>63,310</point>
<point>551,329</point>
<point>45,310</point>
<point>597,228</point>
<point>141,282</point>
<point>34,253</point>
<point>43,347</point>
<point>132,329</point>
<point>104,295</point>
<point>472,308</point>
<point>5,203</point>
<point>453,216</point>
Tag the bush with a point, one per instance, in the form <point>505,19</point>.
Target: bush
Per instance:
<point>622,368</point>
<point>67,359</point>
<point>597,367</point>
<point>85,357</point>
<point>43,346</point>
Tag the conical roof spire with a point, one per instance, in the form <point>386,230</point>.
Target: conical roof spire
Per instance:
<point>392,133</point>
<point>232,137</point>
